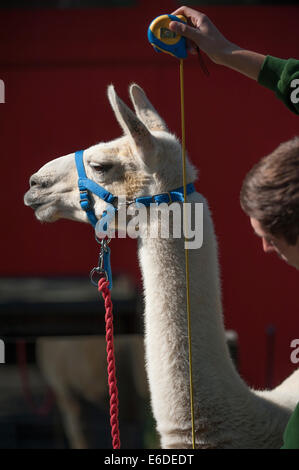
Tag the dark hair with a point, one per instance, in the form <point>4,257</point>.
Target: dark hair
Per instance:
<point>270,192</point>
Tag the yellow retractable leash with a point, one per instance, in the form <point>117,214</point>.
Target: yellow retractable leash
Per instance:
<point>165,40</point>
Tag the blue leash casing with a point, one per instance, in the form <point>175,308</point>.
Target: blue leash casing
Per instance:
<point>107,266</point>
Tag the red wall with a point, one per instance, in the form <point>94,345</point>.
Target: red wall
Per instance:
<point>56,65</point>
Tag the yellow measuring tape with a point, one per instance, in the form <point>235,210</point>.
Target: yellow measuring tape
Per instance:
<point>165,40</point>
<point>186,249</point>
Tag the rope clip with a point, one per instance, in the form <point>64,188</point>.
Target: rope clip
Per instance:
<point>103,269</point>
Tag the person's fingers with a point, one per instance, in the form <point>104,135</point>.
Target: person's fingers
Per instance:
<point>187,12</point>
<point>185,30</point>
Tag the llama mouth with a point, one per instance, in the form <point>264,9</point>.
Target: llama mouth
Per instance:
<point>33,202</point>
<point>37,206</point>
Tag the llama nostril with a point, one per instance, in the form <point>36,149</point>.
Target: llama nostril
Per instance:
<point>36,180</point>
<point>33,181</point>
<point>41,181</point>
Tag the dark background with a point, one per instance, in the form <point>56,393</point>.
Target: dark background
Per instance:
<point>57,64</point>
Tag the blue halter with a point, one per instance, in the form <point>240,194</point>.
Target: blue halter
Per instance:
<point>86,185</point>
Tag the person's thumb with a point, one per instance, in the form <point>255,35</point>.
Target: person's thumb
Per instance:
<point>184,30</point>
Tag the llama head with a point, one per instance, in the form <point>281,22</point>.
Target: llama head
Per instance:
<point>145,160</point>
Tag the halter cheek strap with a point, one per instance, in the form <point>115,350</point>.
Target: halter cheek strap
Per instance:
<point>85,186</point>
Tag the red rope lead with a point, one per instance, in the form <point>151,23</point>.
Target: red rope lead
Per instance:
<point>113,392</point>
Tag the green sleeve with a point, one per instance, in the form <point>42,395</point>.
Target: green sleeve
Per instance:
<point>282,77</point>
<point>291,434</point>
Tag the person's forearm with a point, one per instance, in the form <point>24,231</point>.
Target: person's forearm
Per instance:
<point>248,63</point>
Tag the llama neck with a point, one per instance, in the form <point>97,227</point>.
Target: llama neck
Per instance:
<point>166,342</point>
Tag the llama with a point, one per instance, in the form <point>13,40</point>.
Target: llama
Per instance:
<point>76,369</point>
<point>146,160</point>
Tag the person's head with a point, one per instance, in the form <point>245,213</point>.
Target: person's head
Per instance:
<point>270,197</point>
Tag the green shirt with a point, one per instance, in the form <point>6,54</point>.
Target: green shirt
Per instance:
<point>282,77</point>
<point>291,434</point>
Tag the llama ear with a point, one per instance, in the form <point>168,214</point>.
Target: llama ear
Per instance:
<point>141,138</point>
<point>145,110</point>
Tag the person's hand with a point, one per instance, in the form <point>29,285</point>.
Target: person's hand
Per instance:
<point>201,32</point>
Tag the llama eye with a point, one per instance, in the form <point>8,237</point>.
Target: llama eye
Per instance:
<point>102,168</point>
